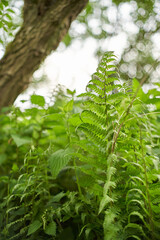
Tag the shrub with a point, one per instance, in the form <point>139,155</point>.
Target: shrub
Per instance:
<point>83,168</point>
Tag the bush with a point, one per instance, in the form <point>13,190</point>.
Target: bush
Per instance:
<point>83,168</point>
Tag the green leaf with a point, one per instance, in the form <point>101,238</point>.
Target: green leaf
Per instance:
<point>87,232</point>
<point>67,40</point>
<point>72,93</point>
<point>10,10</point>
<point>59,160</point>
<point>136,228</point>
<point>110,232</point>
<point>8,16</point>
<point>15,168</point>
<point>137,190</point>
<point>34,227</point>
<point>140,93</point>
<point>5,3</point>
<point>1,25</point>
<point>20,140</point>
<point>51,229</point>
<point>139,202</point>
<point>69,106</point>
<point>75,120</point>
<point>58,197</point>
<point>1,7</point>
<point>54,116</point>
<point>38,100</point>
<point>134,237</point>
<point>140,216</point>
<point>105,200</point>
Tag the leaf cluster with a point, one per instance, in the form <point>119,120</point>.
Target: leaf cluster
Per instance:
<point>82,168</point>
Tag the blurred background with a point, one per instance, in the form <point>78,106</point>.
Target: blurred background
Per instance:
<point>129,28</point>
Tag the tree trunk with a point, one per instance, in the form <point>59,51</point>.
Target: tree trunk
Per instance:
<point>45,24</point>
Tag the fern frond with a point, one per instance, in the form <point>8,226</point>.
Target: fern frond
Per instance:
<point>93,97</point>
<point>112,224</point>
<point>137,228</point>
<point>91,117</point>
<point>94,132</point>
<point>139,216</point>
<point>97,90</point>
<point>99,109</point>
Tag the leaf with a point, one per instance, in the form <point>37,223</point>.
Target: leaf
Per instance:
<point>140,216</point>
<point>139,202</point>
<point>140,93</point>
<point>87,232</point>
<point>1,7</point>
<point>110,225</point>
<point>58,197</point>
<point>51,229</point>
<point>137,191</point>
<point>69,106</point>
<point>5,3</point>
<point>20,140</point>
<point>134,237</point>
<point>71,92</point>
<point>15,168</point>
<point>105,200</point>
<point>67,40</point>
<point>34,227</point>
<point>58,160</point>
<point>8,16</point>
<point>137,228</point>
<point>10,10</point>
<point>38,100</point>
<point>75,120</point>
<point>54,117</point>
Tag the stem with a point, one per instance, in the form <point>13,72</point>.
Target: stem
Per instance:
<point>59,224</point>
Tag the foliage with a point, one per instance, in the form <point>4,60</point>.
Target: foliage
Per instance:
<point>6,21</point>
<point>83,168</point>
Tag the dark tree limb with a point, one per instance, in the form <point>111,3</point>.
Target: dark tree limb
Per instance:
<point>45,24</point>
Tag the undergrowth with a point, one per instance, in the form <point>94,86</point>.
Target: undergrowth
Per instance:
<point>83,168</point>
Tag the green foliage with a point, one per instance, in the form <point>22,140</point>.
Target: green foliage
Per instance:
<point>83,168</point>
<point>119,127</point>
<point>38,100</point>
<point>58,160</point>
<point>6,20</point>
<point>34,227</point>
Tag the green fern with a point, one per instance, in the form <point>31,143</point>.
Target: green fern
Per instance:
<point>95,173</point>
<point>118,159</point>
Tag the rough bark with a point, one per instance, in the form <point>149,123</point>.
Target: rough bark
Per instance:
<point>45,24</point>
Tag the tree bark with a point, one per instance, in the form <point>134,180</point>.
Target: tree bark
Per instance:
<point>45,24</point>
